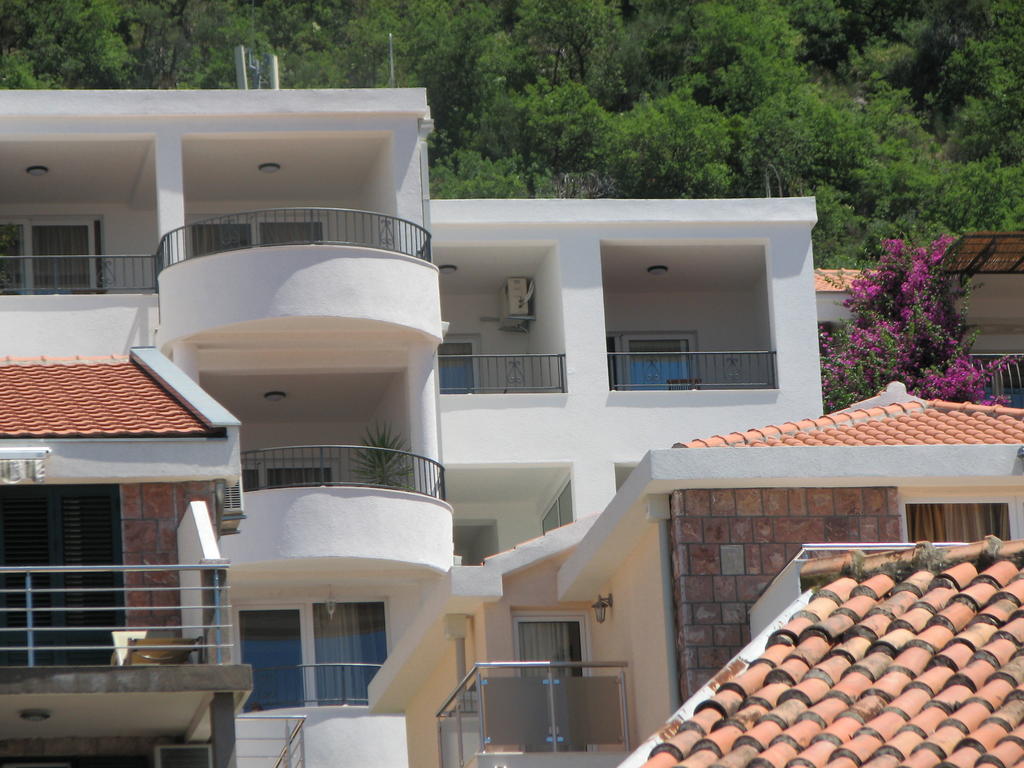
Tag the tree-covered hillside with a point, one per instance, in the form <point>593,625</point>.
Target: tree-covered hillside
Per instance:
<point>903,117</point>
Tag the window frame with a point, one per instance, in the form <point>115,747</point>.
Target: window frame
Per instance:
<point>93,225</point>
<point>527,617</point>
<point>1014,504</point>
<point>546,508</point>
<point>307,642</point>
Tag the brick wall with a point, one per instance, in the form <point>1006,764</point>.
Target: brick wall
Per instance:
<point>728,544</point>
<point>150,513</point>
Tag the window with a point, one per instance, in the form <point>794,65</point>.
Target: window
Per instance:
<point>211,238</point>
<point>53,239</point>
<point>320,654</point>
<point>61,525</point>
<point>272,645</point>
<point>456,374</point>
<point>651,362</point>
<point>957,521</point>
<point>560,511</point>
<point>549,640</point>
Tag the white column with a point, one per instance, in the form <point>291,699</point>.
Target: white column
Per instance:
<point>186,357</point>
<point>421,401</point>
<point>426,127</point>
<point>170,183</point>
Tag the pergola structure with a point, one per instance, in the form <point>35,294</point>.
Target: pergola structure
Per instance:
<point>992,253</point>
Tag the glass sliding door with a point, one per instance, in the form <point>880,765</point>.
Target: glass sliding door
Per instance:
<point>350,644</point>
<point>657,363</point>
<point>272,645</point>
<point>62,274</point>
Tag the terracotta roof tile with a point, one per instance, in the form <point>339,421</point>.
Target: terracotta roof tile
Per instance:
<point>89,397</point>
<point>903,667</point>
<point>933,422</point>
<point>834,280</point>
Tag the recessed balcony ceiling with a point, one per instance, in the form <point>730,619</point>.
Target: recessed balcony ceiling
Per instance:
<point>323,168</point>
<point>481,269</point>
<point>690,267</point>
<point>95,170</point>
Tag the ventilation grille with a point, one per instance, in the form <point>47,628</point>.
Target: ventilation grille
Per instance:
<point>183,756</point>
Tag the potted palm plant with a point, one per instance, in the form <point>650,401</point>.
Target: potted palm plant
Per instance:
<point>384,460</point>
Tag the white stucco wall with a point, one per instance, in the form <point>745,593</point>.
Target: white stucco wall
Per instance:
<point>590,428</point>
<point>227,289</point>
<point>65,325</point>
<point>355,528</point>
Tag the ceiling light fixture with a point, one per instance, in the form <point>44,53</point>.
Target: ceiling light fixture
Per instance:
<point>447,269</point>
<point>269,167</point>
<point>274,395</point>
<point>34,715</point>
<point>657,269</point>
<point>37,170</point>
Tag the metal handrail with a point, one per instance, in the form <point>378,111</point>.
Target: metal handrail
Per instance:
<point>742,369</point>
<point>78,273</point>
<point>501,373</point>
<point>45,612</point>
<point>307,466</point>
<point>293,744</point>
<point>292,226</point>
<point>565,728</point>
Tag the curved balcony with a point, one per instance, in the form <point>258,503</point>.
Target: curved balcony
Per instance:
<point>341,508</point>
<point>293,226</point>
<point>293,270</point>
<point>310,466</point>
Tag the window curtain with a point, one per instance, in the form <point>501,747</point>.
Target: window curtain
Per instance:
<point>350,635</point>
<point>550,641</point>
<point>213,238</point>
<point>957,522</point>
<point>61,240</point>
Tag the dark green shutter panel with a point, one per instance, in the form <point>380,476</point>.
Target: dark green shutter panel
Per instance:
<point>26,530</point>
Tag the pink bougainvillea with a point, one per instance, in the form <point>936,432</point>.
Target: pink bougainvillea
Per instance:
<point>908,324</point>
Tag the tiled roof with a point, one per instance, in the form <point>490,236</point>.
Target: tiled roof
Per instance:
<point>89,397</point>
<point>929,422</point>
<point>909,665</point>
<point>826,280</point>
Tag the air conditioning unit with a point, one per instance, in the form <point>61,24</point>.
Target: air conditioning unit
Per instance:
<point>231,510</point>
<point>183,756</point>
<point>514,304</point>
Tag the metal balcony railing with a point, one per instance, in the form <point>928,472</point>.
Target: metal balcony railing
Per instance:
<point>1008,382</point>
<point>129,273</point>
<point>270,741</point>
<point>468,374</point>
<point>691,370</point>
<point>534,706</point>
<point>293,226</point>
<point>113,614</point>
<point>311,685</point>
<point>351,465</point>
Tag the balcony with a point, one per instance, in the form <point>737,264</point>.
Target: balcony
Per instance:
<point>310,466</point>
<point>293,226</point>
<point>536,708</point>
<point>501,374</point>
<point>349,508</point>
<point>30,275</point>
<point>113,615</point>
<point>1007,383</point>
<point>638,371</point>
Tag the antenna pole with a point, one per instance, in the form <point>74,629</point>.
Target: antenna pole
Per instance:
<point>241,76</point>
<point>391,60</point>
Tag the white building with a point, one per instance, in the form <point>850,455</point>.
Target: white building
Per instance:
<point>282,249</point>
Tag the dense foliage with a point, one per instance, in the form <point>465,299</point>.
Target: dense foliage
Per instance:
<point>903,117</point>
<point>908,324</point>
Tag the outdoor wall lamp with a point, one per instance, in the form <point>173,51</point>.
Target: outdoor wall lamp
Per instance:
<point>37,170</point>
<point>601,607</point>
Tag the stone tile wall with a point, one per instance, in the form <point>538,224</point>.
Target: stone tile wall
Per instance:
<point>728,544</point>
<point>150,513</point>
